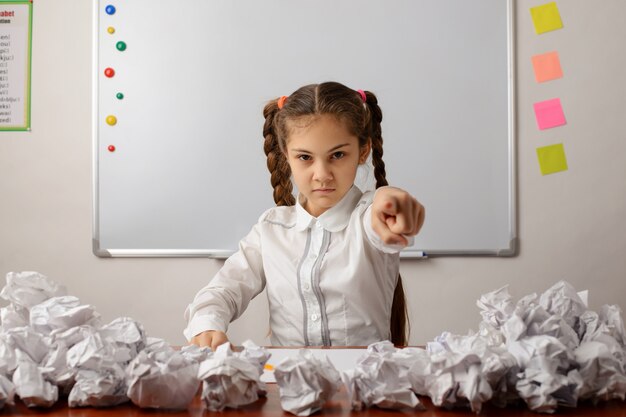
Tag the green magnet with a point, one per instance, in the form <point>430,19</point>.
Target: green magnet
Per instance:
<point>121,46</point>
<point>119,96</point>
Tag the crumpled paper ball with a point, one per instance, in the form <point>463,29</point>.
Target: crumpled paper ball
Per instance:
<point>61,313</point>
<point>31,386</point>
<point>305,382</point>
<point>380,380</point>
<point>27,289</point>
<point>161,377</point>
<point>102,388</point>
<point>230,379</point>
<point>126,333</point>
<point>100,377</point>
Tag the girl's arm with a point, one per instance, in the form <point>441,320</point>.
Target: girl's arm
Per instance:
<point>228,294</point>
<point>396,214</point>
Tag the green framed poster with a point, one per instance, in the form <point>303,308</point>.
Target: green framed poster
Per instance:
<point>16,23</point>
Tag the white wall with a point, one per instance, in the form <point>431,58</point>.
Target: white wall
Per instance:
<point>571,224</point>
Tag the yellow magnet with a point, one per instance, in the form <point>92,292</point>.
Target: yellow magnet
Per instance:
<point>111,120</point>
<point>111,30</point>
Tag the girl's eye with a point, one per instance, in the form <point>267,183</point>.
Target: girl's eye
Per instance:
<point>338,155</point>
<point>304,157</point>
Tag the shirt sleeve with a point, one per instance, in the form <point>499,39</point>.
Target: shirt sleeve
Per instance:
<point>228,294</point>
<point>373,237</point>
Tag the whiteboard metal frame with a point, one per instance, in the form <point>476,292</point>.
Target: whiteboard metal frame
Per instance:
<point>512,250</point>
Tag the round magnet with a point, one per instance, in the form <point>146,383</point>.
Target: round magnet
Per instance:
<point>111,30</point>
<point>110,9</point>
<point>121,46</point>
<point>109,72</point>
<point>111,120</point>
<point>111,148</point>
<point>119,96</point>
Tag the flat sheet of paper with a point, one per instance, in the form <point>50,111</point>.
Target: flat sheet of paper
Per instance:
<point>342,359</point>
<point>546,18</point>
<point>15,58</point>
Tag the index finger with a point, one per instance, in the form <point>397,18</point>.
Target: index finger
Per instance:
<point>391,206</point>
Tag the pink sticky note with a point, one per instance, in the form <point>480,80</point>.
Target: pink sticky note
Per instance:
<point>549,113</point>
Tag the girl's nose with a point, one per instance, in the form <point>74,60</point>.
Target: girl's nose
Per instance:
<point>321,172</point>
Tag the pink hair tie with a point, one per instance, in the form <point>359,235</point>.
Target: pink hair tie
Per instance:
<point>363,96</point>
<point>281,101</point>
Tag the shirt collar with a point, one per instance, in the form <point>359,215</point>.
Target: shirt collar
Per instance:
<point>335,218</point>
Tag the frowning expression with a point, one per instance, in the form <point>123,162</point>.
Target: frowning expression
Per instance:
<point>323,156</point>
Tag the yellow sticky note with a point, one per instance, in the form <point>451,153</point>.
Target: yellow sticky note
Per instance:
<point>552,159</point>
<point>546,18</point>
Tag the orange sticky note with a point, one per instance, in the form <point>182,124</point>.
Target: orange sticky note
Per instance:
<point>547,67</point>
<point>546,18</point>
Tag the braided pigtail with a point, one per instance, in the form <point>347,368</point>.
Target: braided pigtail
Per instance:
<point>280,173</point>
<point>399,325</point>
<point>376,117</point>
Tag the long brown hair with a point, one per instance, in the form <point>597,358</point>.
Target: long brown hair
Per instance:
<point>330,98</point>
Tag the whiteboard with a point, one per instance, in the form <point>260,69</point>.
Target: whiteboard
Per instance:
<point>188,175</point>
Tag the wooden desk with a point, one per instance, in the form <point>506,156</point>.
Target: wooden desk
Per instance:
<point>270,406</point>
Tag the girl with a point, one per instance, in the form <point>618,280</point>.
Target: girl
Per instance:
<point>329,259</point>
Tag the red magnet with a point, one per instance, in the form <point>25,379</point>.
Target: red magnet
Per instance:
<point>109,72</point>
<point>111,148</point>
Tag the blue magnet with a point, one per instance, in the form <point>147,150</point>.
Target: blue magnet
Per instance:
<point>110,9</point>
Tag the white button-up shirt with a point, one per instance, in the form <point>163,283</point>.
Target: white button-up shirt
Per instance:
<point>330,280</point>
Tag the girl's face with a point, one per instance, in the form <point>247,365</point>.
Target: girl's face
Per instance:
<point>323,156</point>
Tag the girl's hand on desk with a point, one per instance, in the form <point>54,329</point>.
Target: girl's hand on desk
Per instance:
<point>210,338</point>
<point>396,213</point>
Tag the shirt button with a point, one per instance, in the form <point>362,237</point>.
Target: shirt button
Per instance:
<point>306,287</point>
<point>318,225</point>
<point>314,317</point>
<point>312,255</point>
